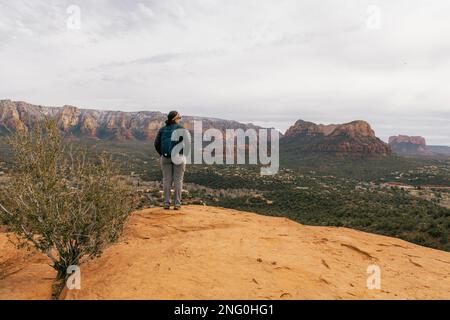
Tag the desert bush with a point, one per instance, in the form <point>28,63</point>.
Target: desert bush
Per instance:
<point>68,207</point>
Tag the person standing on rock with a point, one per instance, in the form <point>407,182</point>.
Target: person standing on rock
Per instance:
<point>173,161</point>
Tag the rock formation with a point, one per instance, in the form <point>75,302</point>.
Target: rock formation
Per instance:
<point>410,145</point>
<point>356,137</point>
<point>205,252</point>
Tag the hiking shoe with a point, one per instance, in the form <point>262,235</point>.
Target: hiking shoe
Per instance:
<point>167,207</point>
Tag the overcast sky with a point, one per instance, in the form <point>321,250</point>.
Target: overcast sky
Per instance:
<point>269,62</point>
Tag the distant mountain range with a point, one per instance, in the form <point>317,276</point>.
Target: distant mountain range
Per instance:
<point>356,137</point>
<point>444,150</point>
<point>99,124</point>
<point>415,145</point>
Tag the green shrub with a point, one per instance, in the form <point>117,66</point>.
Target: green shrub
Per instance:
<point>66,206</point>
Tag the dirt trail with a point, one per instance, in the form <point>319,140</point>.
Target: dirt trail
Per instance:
<point>214,253</point>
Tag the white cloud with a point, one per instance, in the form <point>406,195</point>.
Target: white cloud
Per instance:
<point>264,61</point>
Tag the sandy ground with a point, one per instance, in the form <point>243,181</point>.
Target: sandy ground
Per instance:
<point>23,274</point>
<point>213,253</point>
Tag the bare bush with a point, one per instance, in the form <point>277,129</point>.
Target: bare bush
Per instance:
<point>66,206</point>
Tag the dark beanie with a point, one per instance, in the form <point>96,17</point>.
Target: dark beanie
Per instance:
<point>171,116</point>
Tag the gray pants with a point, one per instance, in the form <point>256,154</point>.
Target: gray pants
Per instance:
<point>172,173</point>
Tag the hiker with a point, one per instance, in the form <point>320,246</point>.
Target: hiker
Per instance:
<point>172,166</point>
